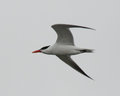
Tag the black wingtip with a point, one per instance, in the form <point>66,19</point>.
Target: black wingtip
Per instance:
<point>83,73</point>
<point>86,27</point>
<point>88,76</point>
<point>71,26</point>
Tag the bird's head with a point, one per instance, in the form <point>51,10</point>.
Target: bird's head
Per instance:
<point>41,50</point>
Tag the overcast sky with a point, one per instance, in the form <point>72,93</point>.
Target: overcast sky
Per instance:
<point>25,26</point>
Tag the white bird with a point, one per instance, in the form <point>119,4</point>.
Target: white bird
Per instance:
<point>64,46</point>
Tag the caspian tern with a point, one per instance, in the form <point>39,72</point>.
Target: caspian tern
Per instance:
<point>64,46</point>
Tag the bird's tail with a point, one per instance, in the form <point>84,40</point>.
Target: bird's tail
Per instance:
<point>86,50</point>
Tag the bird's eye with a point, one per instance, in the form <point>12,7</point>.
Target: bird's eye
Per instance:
<point>44,47</point>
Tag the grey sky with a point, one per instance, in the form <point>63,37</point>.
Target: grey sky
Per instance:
<point>25,27</point>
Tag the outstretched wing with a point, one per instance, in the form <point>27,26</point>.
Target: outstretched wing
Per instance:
<point>64,34</point>
<point>71,63</point>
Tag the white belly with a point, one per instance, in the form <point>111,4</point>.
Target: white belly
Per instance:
<point>62,50</point>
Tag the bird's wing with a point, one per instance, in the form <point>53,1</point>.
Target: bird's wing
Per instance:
<point>71,63</point>
<point>64,34</point>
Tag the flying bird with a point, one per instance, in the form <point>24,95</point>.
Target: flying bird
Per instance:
<point>65,47</point>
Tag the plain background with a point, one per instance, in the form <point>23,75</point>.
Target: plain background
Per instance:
<point>25,26</point>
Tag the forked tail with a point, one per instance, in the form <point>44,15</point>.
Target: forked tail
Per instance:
<point>86,50</point>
